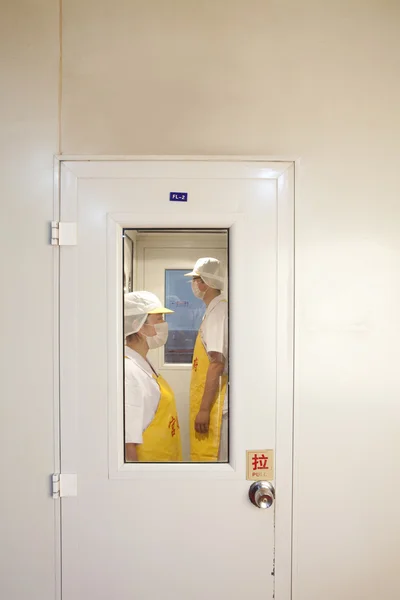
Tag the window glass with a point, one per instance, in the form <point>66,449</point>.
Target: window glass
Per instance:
<point>173,410</point>
<point>184,322</point>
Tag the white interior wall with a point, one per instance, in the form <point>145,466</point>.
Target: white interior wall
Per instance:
<point>317,81</point>
<point>28,140</point>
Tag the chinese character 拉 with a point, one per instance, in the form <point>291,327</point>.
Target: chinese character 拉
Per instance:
<point>259,461</point>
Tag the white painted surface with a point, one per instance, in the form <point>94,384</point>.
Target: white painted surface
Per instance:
<point>313,80</point>
<point>150,514</point>
<point>28,140</point>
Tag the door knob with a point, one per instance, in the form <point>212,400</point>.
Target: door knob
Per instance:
<point>262,494</point>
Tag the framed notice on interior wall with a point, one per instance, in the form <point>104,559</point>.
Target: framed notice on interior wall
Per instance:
<point>128,264</point>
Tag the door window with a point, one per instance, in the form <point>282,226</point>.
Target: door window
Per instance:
<point>184,323</point>
<point>176,352</point>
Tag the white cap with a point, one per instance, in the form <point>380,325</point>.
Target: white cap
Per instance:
<point>209,269</point>
<point>137,305</point>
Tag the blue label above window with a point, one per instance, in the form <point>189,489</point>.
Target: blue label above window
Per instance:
<point>178,196</point>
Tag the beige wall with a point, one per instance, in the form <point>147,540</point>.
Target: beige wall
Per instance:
<point>311,80</point>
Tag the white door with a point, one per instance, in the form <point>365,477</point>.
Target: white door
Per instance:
<point>175,531</point>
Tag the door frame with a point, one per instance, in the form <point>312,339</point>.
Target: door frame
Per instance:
<point>283,172</point>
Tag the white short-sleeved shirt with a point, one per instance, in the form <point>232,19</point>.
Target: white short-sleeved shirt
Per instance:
<point>214,332</point>
<point>142,396</point>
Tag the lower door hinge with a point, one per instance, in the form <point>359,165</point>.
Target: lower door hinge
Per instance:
<point>64,485</point>
<point>63,234</point>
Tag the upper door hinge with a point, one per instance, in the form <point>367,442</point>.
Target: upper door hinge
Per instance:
<point>63,234</point>
<point>64,485</point>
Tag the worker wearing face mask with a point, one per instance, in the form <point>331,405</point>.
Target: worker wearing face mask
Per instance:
<point>208,387</point>
<point>151,421</point>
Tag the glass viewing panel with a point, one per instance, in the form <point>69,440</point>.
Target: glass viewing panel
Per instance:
<point>175,346</point>
<point>184,323</point>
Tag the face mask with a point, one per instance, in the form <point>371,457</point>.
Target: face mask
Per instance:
<point>196,291</point>
<point>158,340</point>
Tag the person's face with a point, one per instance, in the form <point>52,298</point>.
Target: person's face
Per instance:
<point>154,319</point>
<point>203,287</point>
<point>148,327</point>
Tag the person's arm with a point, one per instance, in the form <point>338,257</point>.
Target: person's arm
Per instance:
<point>134,403</point>
<point>214,372</point>
<point>131,452</point>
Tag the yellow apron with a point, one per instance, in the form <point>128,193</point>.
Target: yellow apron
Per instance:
<point>162,438</point>
<point>204,447</point>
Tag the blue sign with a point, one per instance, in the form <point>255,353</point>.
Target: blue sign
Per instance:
<point>178,196</point>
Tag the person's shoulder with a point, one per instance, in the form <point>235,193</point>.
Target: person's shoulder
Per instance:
<point>130,366</point>
<point>133,370</point>
<point>217,315</point>
<point>221,307</point>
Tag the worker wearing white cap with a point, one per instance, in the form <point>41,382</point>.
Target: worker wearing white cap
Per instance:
<point>208,386</point>
<point>151,421</point>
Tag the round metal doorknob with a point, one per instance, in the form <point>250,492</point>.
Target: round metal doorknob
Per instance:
<point>262,494</point>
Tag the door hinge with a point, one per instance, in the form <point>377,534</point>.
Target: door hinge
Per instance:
<point>63,234</point>
<point>64,485</point>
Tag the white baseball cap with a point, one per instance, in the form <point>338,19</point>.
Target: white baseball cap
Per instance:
<point>209,269</point>
<point>137,305</point>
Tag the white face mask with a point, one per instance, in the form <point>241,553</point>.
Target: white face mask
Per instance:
<point>196,291</point>
<point>160,338</point>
